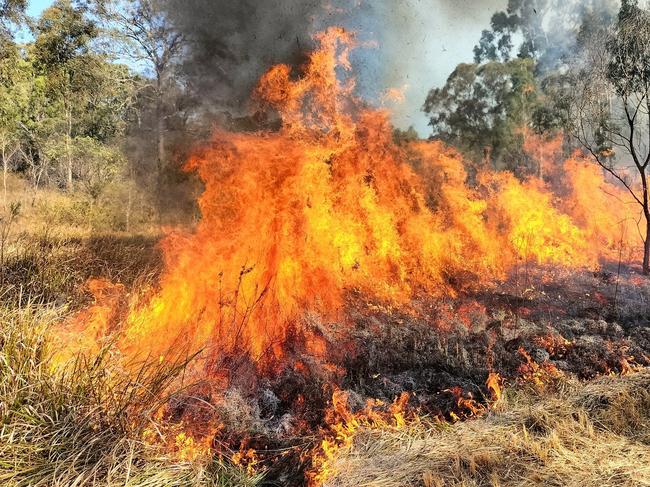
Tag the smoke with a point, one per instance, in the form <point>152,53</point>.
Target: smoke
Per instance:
<point>410,45</point>
<point>419,43</point>
<point>231,43</point>
<point>415,43</point>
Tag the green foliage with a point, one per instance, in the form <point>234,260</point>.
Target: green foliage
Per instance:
<point>497,44</point>
<point>11,12</point>
<point>628,67</point>
<point>520,80</point>
<point>482,109</point>
<point>96,165</point>
<point>142,31</point>
<point>547,30</point>
<point>63,106</point>
<point>63,33</point>
<point>15,95</point>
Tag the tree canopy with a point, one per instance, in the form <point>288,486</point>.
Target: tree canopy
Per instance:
<point>483,107</point>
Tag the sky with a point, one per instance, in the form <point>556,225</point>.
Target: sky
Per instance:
<point>418,44</point>
<point>35,7</point>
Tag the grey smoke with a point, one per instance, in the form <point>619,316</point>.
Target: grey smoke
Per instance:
<point>231,43</point>
<point>418,44</point>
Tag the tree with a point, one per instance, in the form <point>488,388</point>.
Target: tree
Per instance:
<point>11,12</point>
<point>89,98</point>
<point>546,30</point>
<point>611,106</point>
<point>61,52</point>
<point>145,35</point>
<point>405,136</point>
<point>482,108</point>
<point>521,16</point>
<point>15,77</point>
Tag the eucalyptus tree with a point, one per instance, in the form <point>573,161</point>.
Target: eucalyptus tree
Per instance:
<point>88,97</point>
<point>12,12</point>
<point>142,33</point>
<point>61,52</point>
<point>482,108</point>
<point>610,106</point>
<point>14,104</point>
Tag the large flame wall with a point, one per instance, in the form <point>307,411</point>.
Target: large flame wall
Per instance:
<point>291,219</point>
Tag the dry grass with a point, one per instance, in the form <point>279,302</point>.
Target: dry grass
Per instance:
<point>596,434</point>
<point>83,425</point>
<point>54,269</point>
<point>53,244</point>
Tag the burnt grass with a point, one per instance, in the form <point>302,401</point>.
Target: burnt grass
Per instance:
<point>581,323</point>
<point>550,323</point>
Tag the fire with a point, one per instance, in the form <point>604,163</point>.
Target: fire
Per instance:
<point>344,425</point>
<point>539,375</point>
<point>292,219</point>
<point>493,384</point>
<point>394,95</point>
<point>88,329</point>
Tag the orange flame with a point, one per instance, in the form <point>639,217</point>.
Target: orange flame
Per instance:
<point>493,384</point>
<point>345,424</point>
<point>291,219</point>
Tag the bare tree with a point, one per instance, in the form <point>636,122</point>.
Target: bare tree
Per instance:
<point>610,106</point>
<point>146,36</point>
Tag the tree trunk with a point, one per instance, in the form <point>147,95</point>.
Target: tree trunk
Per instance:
<point>160,135</point>
<point>129,202</point>
<point>160,141</point>
<point>5,163</point>
<point>68,151</point>
<point>646,246</point>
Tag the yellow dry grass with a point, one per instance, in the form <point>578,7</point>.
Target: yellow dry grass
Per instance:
<point>594,434</point>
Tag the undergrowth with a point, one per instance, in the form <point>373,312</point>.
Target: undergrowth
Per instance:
<point>81,424</point>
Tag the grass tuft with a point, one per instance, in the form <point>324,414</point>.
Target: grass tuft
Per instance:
<point>83,425</point>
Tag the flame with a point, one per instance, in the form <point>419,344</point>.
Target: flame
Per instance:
<point>292,219</point>
<point>493,384</point>
<point>538,375</point>
<point>394,95</point>
<point>343,425</point>
<point>90,326</point>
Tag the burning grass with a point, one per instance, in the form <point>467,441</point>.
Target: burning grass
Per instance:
<point>593,434</point>
<point>342,207</point>
<point>338,288</point>
<point>96,422</point>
